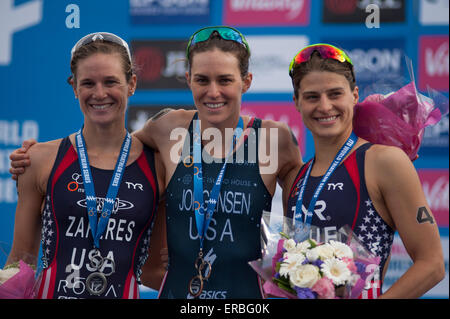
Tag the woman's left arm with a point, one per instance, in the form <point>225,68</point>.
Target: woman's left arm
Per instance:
<point>403,200</point>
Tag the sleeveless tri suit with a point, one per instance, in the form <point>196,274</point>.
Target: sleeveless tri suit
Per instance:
<point>67,241</point>
<point>344,200</point>
<point>233,236</point>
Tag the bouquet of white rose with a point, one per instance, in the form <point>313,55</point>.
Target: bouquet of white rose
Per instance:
<point>18,279</point>
<point>313,269</point>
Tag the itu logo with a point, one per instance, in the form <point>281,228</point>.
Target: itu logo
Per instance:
<point>14,19</point>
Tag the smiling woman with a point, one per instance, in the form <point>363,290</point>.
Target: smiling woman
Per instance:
<point>379,191</point>
<point>90,248</point>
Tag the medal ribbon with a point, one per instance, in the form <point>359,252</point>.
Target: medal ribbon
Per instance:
<point>203,221</point>
<point>305,222</point>
<point>98,227</point>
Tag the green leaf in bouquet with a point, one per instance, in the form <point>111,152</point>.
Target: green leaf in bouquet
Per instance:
<point>312,243</point>
<point>283,283</point>
<point>277,267</point>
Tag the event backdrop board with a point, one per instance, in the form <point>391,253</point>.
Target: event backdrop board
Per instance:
<point>36,102</point>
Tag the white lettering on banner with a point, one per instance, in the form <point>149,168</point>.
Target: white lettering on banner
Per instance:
<point>13,19</point>
<point>376,60</point>
<point>13,133</point>
<point>436,63</point>
<point>293,6</point>
<point>437,193</point>
<point>168,3</point>
<point>383,4</point>
<point>8,191</point>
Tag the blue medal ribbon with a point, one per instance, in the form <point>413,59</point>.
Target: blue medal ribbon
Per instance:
<point>303,228</point>
<point>202,220</point>
<point>98,224</point>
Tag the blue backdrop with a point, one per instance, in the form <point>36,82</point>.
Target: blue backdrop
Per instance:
<point>36,37</point>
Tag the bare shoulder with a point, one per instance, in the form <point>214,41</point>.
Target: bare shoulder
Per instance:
<point>389,166</point>
<point>159,127</point>
<point>387,157</point>
<point>40,151</point>
<point>42,158</point>
<point>169,120</point>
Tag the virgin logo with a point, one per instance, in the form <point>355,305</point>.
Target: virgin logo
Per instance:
<point>437,193</point>
<point>436,62</point>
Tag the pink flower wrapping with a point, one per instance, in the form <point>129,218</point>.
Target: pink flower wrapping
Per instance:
<point>21,285</point>
<point>398,119</point>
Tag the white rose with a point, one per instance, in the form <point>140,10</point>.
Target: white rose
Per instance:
<point>312,254</point>
<point>304,276</point>
<point>341,250</point>
<point>289,244</point>
<point>7,273</point>
<point>325,251</point>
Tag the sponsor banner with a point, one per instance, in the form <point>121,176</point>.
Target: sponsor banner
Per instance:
<point>354,11</point>
<point>435,139</point>
<point>12,134</point>
<point>266,12</point>
<point>138,115</point>
<point>433,62</point>
<point>400,263</point>
<point>435,187</point>
<point>434,12</point>
<point>170,11</point>
<point>379,63</point>
<point>278,111</point>
<point>161,64</point>
<point>270,60</point>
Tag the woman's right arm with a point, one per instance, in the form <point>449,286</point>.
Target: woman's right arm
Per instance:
<point>31,193</point>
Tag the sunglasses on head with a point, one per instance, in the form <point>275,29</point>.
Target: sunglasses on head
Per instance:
<point>100,36</point>
<point>226,33</point>
<point>326,51</point>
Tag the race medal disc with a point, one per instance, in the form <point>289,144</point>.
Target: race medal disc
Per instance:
<point>196,286</point>
<point>96,283</point>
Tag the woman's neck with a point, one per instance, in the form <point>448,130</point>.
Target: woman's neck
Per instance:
<point>103,139</point>
<point>220,136</point>
<point>326,150</point>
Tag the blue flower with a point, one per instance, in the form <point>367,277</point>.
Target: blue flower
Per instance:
<point>305,293</point>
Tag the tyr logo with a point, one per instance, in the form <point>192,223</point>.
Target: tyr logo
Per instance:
<point>134,186</point>
<point>333,186</point>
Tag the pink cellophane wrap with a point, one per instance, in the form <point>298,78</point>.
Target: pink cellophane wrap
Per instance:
<point>21,285</point>
<point>400,118</point>
<point>272,251</point>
